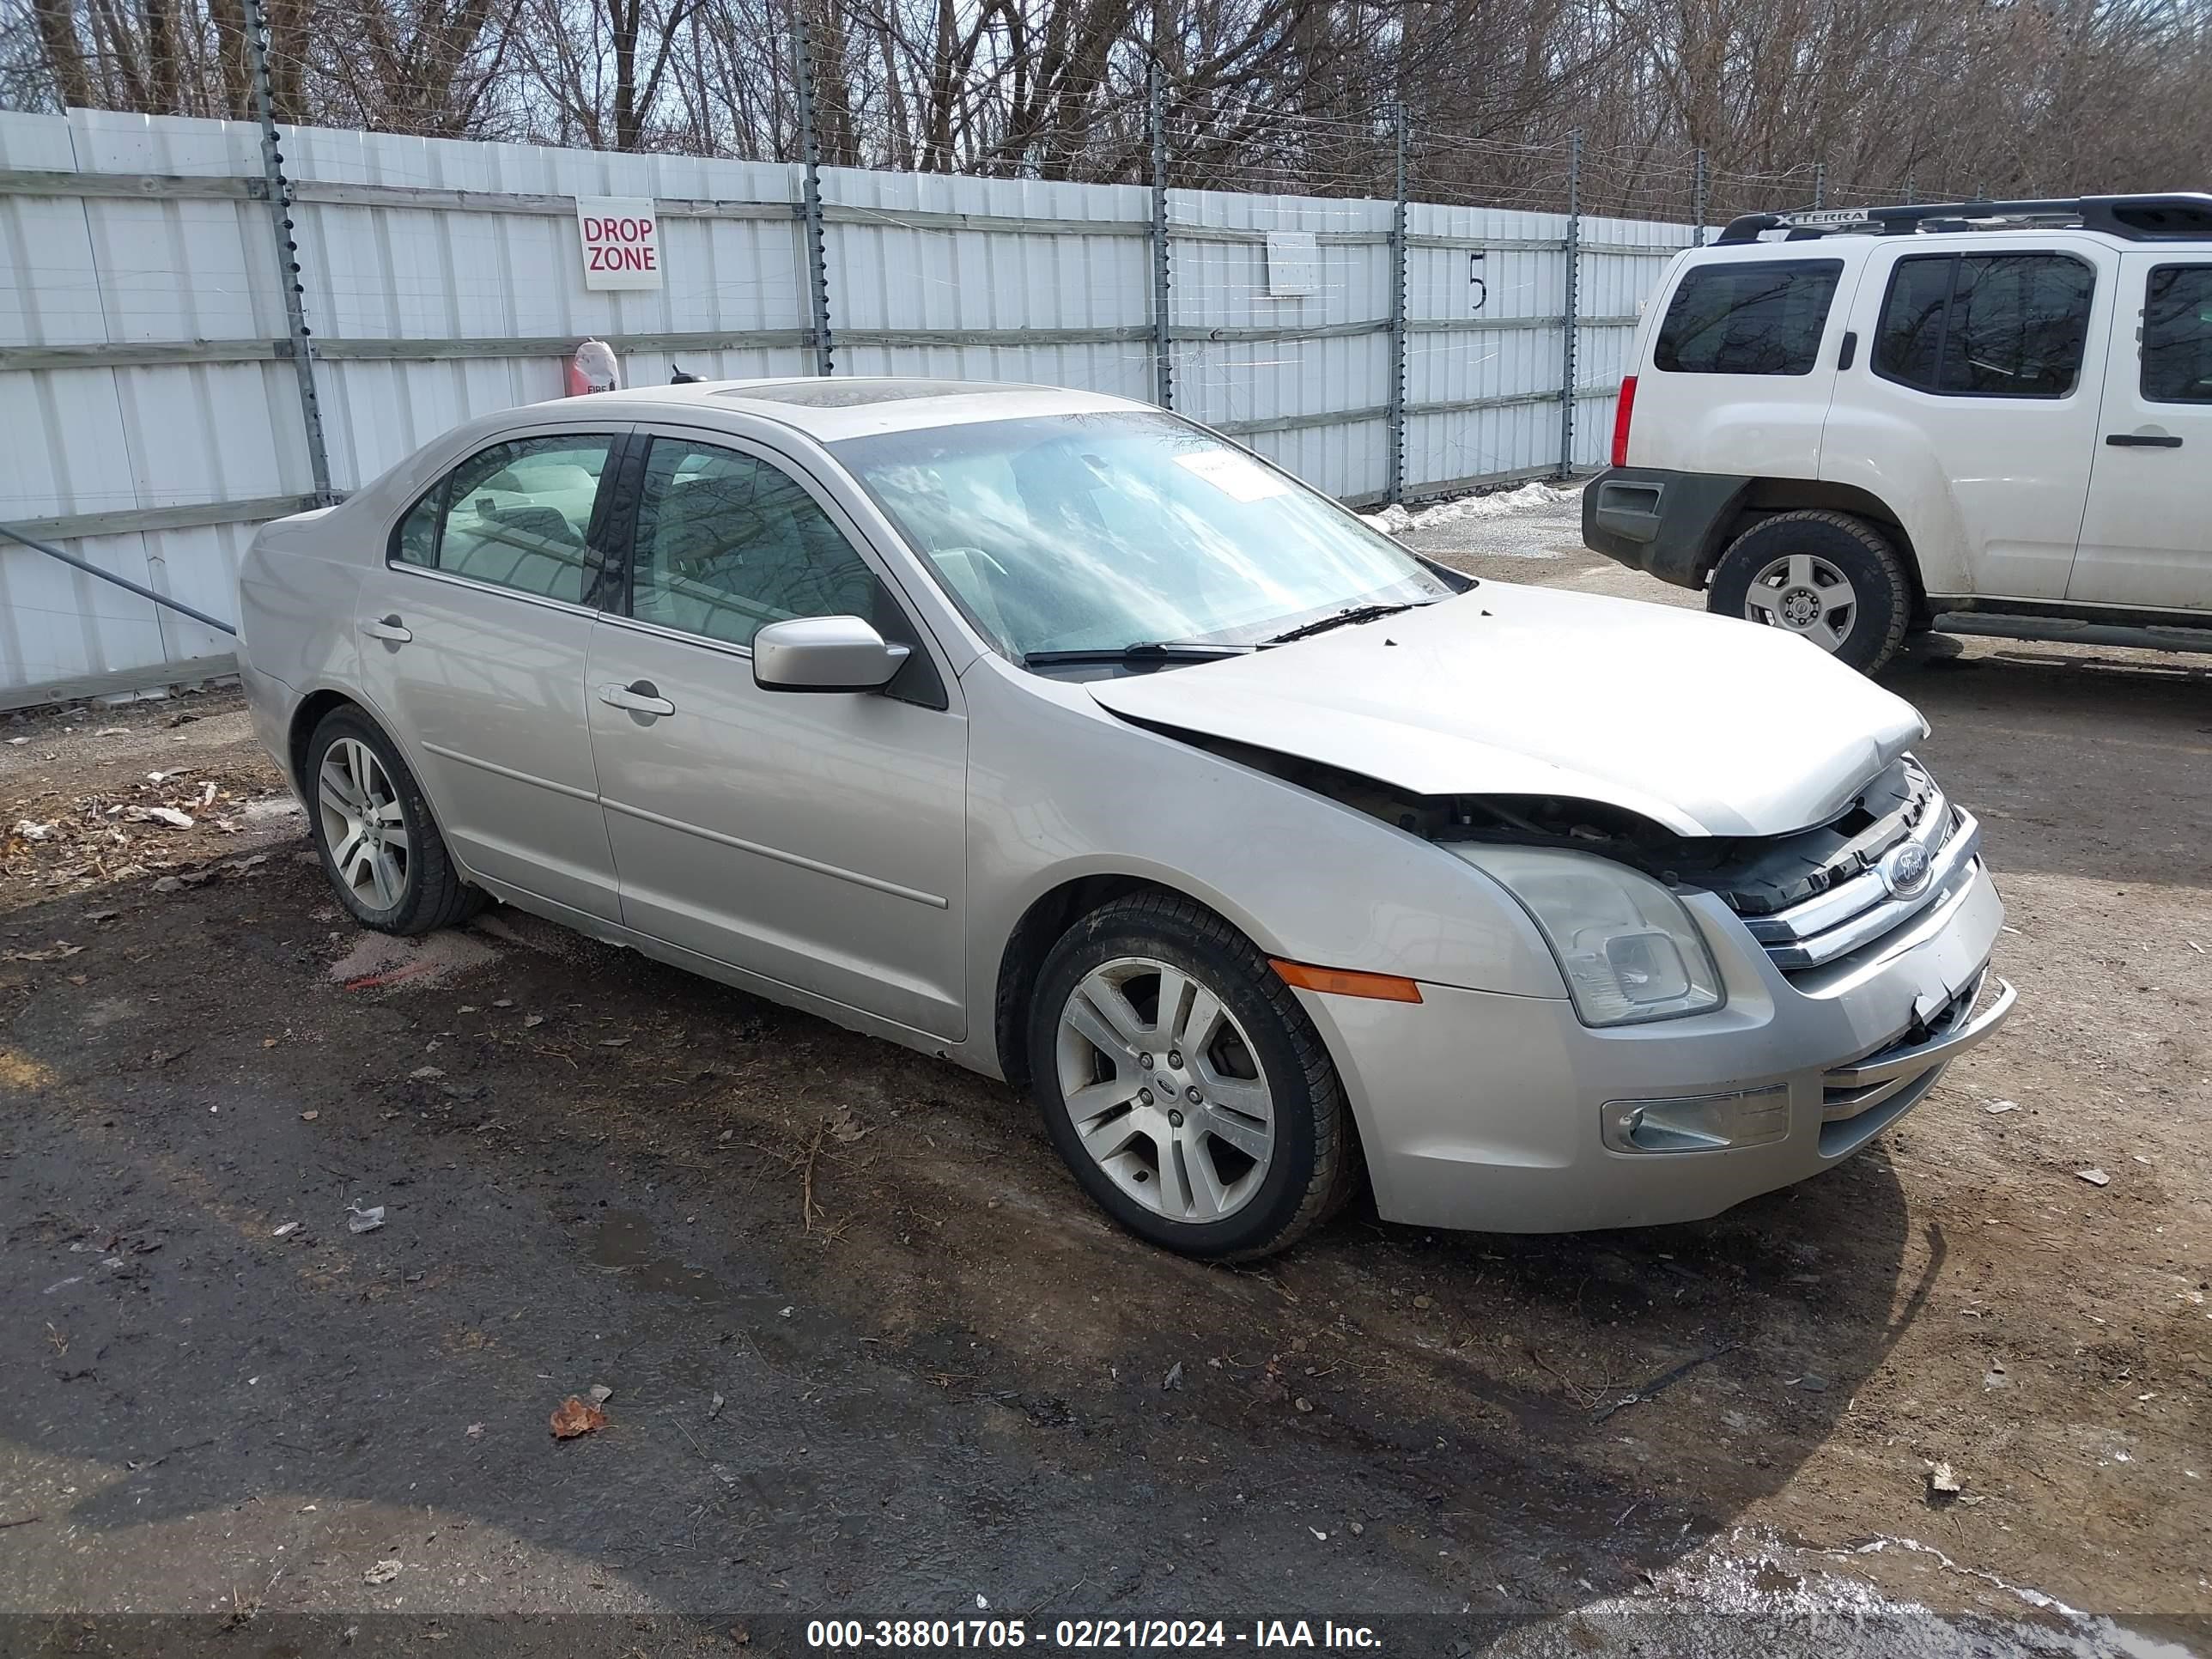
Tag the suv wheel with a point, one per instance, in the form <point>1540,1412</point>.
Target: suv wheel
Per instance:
<point>1827,576</point>
<point>1184,1085</point>
<point>380,845</point>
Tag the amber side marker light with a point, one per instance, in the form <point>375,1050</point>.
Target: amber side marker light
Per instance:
<point>1343,982</point>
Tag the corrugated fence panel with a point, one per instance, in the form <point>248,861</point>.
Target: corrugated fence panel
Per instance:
<point>1502,351</point>
<point>896,265</point>
<point>155,269</point>
<point>1622,261</point>
<point>391,272</point>
<point>443,282</point>
<point>1221,288</point>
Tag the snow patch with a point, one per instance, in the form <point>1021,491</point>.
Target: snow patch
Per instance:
<point>1761,1586</point>
<point>1529,498</point>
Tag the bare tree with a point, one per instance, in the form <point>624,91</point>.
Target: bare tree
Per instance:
<point>1875,96</point>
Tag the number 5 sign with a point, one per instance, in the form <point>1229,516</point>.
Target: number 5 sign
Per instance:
<point>621,241</point>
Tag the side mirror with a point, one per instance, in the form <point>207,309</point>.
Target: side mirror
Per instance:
<point>824,653</point>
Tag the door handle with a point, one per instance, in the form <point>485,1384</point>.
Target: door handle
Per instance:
<point>2141,441</point>
<point>639,696</point>
<point>387,628</point>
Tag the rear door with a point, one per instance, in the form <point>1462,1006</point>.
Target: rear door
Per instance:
<point>477,626</point>
<point>1971,409</point>
<point>2147,537</point>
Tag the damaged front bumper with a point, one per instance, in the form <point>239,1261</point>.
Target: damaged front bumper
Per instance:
<point>1506,1114</point>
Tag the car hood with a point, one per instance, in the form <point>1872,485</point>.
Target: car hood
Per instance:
<point>1708,725</point>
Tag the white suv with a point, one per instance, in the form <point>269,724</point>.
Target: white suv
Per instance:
<point>1982,417</point>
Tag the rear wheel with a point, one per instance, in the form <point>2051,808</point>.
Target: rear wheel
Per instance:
<point>380,848</point>
<point>1826,577</point>
<point>1183,1085</point>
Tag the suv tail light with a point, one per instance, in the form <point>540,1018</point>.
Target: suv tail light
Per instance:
<point>1623,412</point>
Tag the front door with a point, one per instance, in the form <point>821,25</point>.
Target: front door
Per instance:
<point>818,839</point>
<point>477,628</point>
<point>1974,412</point>
<point>2147,539</point>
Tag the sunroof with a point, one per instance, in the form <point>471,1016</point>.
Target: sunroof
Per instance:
<point>850,394</point>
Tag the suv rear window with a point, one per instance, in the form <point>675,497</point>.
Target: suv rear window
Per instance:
<point>2176,337</point>
<point>1985,325</point>
<point>1753,318</point>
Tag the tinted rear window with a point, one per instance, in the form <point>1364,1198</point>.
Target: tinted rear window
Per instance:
<point>1986,324</point>
<point>1763,318</point>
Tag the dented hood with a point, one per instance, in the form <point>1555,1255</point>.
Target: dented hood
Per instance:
<point>1706,725</point>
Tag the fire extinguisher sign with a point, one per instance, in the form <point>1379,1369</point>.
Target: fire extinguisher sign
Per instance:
<point>621,241</point>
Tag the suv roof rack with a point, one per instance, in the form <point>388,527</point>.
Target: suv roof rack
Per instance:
<point>2174,216</point>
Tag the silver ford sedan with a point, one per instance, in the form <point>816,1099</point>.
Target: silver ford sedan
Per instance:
<point>1060,737</point>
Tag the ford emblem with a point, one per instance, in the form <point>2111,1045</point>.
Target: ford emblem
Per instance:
<point>1905,871</point>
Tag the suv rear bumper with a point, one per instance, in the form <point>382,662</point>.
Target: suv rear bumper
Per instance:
<point>1664,522</point>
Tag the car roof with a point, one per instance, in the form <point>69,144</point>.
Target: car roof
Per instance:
<point>828,408</point>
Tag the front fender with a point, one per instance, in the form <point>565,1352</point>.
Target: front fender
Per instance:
<point>1060,789</point>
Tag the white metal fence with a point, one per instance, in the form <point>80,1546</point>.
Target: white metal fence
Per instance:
<point>150,402</point>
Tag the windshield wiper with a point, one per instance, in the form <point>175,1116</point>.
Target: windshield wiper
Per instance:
<point>1141,651</point>
<point>1356,613</point>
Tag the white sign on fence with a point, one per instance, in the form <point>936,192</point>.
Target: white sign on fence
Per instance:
<point>621,240</point>
<point>1293,265</point>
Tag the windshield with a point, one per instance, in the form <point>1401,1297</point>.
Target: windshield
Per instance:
<point>1098,532</point>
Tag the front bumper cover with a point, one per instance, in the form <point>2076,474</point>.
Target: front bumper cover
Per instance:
<point>1489,1112</point>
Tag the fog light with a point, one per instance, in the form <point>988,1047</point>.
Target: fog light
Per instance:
<point>1697,1124</point>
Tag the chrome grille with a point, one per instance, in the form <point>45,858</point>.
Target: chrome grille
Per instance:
<point>1862,909</point>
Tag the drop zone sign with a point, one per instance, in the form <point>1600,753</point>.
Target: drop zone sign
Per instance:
<point>621,241</point>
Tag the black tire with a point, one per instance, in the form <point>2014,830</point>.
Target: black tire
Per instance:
<point>431,895</point>
<point>1855,547</point>
<point>1315,1166</point>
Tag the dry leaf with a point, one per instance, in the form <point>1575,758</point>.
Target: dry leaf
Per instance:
<point>574,1418</point>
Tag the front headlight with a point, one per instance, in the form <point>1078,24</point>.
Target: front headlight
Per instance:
<point>1628,949</point>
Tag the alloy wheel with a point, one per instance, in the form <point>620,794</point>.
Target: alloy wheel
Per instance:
<point>363,824</point>
<point>1165,1089</point>
<point>1804,593</point>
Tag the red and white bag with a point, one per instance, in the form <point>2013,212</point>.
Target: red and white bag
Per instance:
<point>593,368</point>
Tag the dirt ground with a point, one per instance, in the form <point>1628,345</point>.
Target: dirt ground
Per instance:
<point>871,1356</point>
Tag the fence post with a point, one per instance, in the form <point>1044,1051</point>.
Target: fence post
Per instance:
<point>1572,247</point>
<point>1162,343</point>
<point>279,193</point>
<point>1911,188</point>
<point>817,251</point>
<point>1700,188</point>
<point>1819,186</point>
<point>1395,476</point>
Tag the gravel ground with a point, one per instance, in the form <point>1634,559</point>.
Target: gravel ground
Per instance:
<point>871,1356</point>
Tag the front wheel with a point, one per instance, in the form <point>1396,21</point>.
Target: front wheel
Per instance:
<point>1183,1085</point>
<point>1826,577</point>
